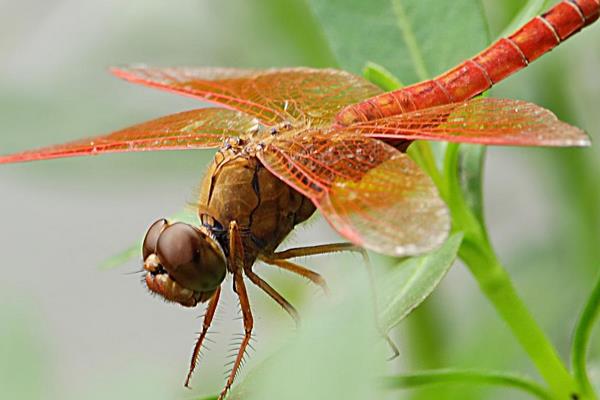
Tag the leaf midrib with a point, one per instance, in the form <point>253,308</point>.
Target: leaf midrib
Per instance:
<point>411,40</point>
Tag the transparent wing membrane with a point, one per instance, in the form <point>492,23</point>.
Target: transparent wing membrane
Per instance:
<point>197,129</point>
<point>314,96</point>
<point>371,193</point>
<point>484,120</point>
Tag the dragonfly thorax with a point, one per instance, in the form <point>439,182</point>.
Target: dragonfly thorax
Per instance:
<point>237,187</point>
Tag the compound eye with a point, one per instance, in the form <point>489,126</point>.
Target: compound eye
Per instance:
<point>149,245</point>
<point>192,258</point>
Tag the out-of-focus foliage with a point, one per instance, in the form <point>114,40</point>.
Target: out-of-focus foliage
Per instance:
<point>91,334</point>
<point>336,355</point>
<point>23,364</point>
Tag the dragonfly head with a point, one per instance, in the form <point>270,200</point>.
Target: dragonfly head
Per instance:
<point>183,264</point>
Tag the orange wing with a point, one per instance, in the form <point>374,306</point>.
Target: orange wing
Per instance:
<point>197,129</point>
<point>371,193</point>
<point>484,120</point>
<point>273,96</point>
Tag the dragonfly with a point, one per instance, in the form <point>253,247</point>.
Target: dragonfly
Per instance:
<point>296,140</point>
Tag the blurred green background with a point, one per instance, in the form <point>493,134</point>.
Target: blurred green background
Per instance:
<point>69,330</point>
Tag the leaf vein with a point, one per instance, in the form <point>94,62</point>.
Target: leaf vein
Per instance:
<point>411,40</point>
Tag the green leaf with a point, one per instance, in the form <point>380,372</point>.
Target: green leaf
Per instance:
<point>529,10</point>
<point>581,340</point>
<point>410,282</point>
<point>462,376</point>
<point>299,30</point>
<point>415,39</point>
<point>133,251</point>
<point>381,77</point>
<point>121,258</point>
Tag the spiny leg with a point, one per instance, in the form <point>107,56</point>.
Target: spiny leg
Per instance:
<point>268,289</point>
<point>316,250</point>
<point>280,258</point>
<point>282,263</point>
<point>334,248</point>
<point>240,289</point>
<point>236,259</point>
<point>208,317</point>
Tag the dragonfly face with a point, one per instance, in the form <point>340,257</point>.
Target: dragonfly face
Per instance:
<point>184,264</point>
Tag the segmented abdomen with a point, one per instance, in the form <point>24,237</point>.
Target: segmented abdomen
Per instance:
<point>476,75</point>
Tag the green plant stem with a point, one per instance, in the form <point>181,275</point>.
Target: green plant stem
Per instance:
<point>415,379</point>
<point>428,160</point>
<point>495,283</point>
<point>479,256</point>
<point>380,76</point>
<point>581,340</point>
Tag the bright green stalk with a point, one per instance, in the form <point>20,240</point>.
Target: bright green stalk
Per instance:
<point>581,340</point>
<point>479,256</point>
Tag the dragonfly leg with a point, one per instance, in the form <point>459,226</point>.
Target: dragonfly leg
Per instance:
<point>236,259</point>
<point>240,289</point>
<point>282,263</point>
<point>268,289</point>
<point>281,256</point>
<point>315,250</point>
<point>236,248</point>
<point>208,317</point>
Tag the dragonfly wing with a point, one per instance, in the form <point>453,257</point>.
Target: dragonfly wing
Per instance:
<point>274,96</point>
<point>483,120</point>
<point>197,129</point>
<point>371,193</point>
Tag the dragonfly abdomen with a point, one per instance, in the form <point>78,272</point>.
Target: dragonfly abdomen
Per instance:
<point>476,75</point>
